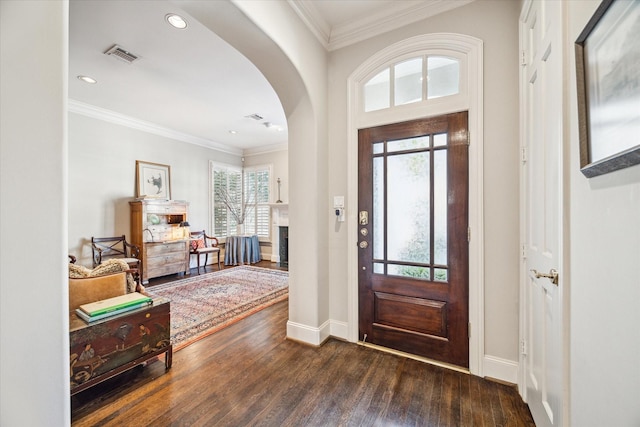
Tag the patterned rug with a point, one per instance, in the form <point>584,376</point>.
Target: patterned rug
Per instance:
<point>204,304</point>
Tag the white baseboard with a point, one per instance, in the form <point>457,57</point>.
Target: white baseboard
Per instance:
<point>500,369</point>
<point>339,330</point>
<point>308,334</point>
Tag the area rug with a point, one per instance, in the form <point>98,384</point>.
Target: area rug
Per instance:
<point>204,304</point>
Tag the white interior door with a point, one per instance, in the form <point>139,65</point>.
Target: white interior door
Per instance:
<point>542,325</point>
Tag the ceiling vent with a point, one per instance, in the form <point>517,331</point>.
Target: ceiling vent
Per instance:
<point>254,117</point>
<point>121,54</point>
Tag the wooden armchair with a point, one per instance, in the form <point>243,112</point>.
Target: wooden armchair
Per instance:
<point>203,244</point>
<point>104,248</point>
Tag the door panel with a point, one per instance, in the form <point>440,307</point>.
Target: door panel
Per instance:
<point>413,203</point>
<point>542,188</point>
<point>420,314</point>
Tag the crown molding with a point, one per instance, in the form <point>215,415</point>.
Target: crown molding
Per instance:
<point>130,122</point>
<point>266,149</point>
<point>401,14</point>
<point>388,20</point>
<point>310,16</point>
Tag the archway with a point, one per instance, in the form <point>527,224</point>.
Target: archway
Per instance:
<point>260,35</point>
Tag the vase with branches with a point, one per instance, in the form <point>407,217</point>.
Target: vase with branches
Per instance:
<point>236,205</point>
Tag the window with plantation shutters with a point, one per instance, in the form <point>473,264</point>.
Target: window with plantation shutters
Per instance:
<point>225,179</point>
<point>240,195</point>
<point>256,195</point>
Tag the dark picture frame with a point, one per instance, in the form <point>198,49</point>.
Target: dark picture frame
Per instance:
<point>153,180</point>
<point>608,79</point>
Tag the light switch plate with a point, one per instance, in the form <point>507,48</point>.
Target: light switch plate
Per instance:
<point>338,201</point>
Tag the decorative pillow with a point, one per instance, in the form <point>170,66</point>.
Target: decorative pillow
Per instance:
<point>197,243</point>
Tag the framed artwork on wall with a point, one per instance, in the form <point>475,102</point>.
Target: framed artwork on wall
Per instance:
<point>608,78</point>
<point>153,180</point>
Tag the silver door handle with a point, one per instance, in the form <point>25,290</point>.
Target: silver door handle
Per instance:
<point>551,275</point>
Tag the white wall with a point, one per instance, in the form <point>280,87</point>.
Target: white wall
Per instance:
<point>102,163</point>
<point>34,324</point>
<point>496,23</point>
<point>605,277</point>
<point>280,161</point>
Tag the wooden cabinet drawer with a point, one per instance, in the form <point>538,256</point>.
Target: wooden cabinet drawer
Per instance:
<point>158,249</point>
<point>166,209</point>
<point>165,269</point>
<point>170,258</point>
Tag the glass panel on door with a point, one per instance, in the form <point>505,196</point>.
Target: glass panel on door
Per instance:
<point>410,208</point>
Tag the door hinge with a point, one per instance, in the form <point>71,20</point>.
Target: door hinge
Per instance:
<point>468,138</point>
<point>468,234</point>
<point>523,58</point>
<point>523,155</point>
<point>523,347</point>
<point>524,252</point>
<point>469,330</point>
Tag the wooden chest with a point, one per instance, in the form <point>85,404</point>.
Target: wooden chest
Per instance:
<point>103,349</point>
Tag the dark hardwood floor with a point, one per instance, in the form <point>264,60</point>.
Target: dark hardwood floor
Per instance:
<point>250,374</point>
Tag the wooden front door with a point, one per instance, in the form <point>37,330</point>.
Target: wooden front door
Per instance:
<point>413,237</point>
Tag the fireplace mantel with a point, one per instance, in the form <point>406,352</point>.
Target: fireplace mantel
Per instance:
<point>279,218</point>
<point>280,214</point>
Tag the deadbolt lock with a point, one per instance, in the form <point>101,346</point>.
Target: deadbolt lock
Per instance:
<point>363,244</point>
<point>363,217</point>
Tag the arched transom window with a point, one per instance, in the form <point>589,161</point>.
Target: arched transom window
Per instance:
<point>417,79</point>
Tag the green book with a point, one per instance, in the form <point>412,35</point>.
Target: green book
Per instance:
<point>113,304</point>
<point>84,316</point>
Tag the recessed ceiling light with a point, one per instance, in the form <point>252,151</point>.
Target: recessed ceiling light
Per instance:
<point>176,21</point>
<point>87,79</point>
<point>233,132</point>
<point>270,125</point>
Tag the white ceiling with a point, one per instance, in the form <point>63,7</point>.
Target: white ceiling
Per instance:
<point>192,85</point>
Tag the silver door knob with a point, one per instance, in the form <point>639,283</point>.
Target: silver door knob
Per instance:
<point>551,275</point>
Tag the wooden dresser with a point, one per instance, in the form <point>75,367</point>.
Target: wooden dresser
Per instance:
<point>156,230</point>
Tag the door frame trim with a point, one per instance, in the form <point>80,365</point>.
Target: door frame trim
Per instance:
<point>472,49</point>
